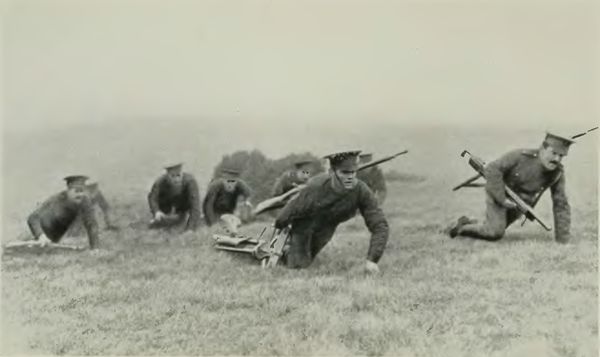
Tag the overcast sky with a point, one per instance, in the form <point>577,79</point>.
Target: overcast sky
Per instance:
<point>522,63</point>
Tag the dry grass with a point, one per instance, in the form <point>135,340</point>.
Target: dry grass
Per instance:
<point>157,293</point>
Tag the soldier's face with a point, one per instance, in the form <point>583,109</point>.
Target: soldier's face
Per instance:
<point>347,178</point>
<point>550,158</point>
<point>303,175</point>
<point>175,178</point>
<point>76,193</point>
<point>230,185</point>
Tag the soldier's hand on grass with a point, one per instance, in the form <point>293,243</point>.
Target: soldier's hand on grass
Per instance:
<point>371,268</point>
<point>509,204</point>
<point>43,240</point>
<point>159,216</point>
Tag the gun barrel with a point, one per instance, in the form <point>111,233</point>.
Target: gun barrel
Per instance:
<point>380,161</point>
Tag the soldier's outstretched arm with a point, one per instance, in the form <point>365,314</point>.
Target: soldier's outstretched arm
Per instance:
<point>194,201</point>
<point>34,222</point>
<point>105,207</point>
<point>376,223</point>
<point>561,210</point>
<point>153,196</point>
<point>209,202</point>
<point>90,223</point>
<point>244,190</point>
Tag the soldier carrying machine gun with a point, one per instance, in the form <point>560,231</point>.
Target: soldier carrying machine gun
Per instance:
<point>514,184</point>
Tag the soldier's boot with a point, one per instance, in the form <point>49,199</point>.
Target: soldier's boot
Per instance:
<point>454,229</point>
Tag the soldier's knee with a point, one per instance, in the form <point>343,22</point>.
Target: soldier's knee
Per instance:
<point>496,234</point>
<point>297,261</point>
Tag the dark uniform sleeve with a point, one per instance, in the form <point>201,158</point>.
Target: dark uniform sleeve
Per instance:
<point>376,223</point>
<point>494,174</point>
<point>208,205</point>
<point>278,187</point>
<point>34,221</point>
<point>90,223</point>
<point>194,198</point>
<point>244,189</point>
<point>99,198</point>
<point>562,211</point>
<point>153,196</point>
<point>294,209</point>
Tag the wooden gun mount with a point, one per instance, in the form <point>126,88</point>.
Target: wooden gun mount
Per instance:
<point>267,251</point>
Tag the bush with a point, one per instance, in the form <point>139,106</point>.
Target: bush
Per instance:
<point>260,172</point>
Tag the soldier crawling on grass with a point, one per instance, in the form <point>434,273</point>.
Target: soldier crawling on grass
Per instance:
<point>222,198</point>
<point>175,198</point>
<point>529,173</point>
<point>49,222</point>
<point>293,178</point>
<point>328,200</point>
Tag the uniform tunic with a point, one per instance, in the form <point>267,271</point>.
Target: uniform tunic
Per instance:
<point>166,197</point>
<point>522,171</point>
<point>54,217</point>
<point>317,211</point>
<point>218,201</point>
<point>287,181</point>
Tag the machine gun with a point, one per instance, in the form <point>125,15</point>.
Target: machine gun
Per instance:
<point>268,251</point>
<point>479,165</point>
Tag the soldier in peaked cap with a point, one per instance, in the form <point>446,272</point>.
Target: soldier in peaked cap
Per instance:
<point>290,179</point>
<point>98,200</point>
<point>373,177</point>
<point>223,194</point>
<point>50,221</point>
<point>328,200</point>
<point>175,192</point>
<point>529,173</point>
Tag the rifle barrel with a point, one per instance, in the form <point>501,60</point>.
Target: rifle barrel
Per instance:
<point>377,162</point>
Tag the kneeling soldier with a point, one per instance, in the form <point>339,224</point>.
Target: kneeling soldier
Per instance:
<point>528,172</point>
<point>328,200</point>
<point>49,222</point>
<point>293,178</point>
<point>175,191</point>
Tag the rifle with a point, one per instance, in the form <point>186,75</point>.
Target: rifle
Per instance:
<point>479,165</point>
<point>276,201</point>
<point>469,182</point>
<point>36,244</point>
<point>382,160</point>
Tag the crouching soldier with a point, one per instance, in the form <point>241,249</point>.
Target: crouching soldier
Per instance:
<point>222,197</point>
<point>529,173</point>
<point>175,197</point>
<point>293,178</point>
<point>49,222</point>
<point>328,200</point>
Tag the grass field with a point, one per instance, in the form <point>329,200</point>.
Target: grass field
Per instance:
<point>159,293</point>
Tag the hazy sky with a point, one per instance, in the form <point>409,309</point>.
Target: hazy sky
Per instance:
<point>522,62</point>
